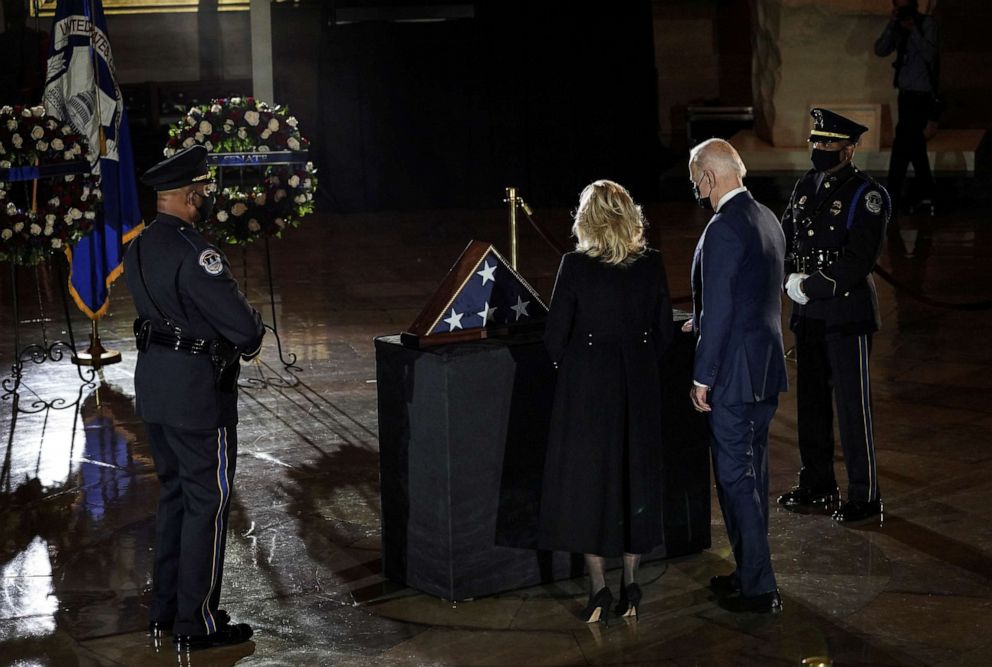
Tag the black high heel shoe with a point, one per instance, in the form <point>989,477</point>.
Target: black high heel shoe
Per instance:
<point>598,607</point>
<point>630,599</point>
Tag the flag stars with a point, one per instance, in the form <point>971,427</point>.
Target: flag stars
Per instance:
<point>455,321</point>
<point>521,308</point>
<point>486,313</point>
<point>487,273</point>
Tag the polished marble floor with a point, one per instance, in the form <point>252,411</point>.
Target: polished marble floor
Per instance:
<point>78,493</point>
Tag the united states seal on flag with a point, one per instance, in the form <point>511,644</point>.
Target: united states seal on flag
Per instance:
<point>482,296</point>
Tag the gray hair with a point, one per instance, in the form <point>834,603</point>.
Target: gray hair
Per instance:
<point>718,156</point>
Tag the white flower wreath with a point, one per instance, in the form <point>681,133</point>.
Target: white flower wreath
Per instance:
<point>67,204</point>
<point>285,193</point>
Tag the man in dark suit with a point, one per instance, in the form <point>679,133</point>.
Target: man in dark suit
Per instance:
<point>193,325</point>
<point>737,275</point>
<point>835,225</point>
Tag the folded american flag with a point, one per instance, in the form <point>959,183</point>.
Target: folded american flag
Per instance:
<point>481,291</point>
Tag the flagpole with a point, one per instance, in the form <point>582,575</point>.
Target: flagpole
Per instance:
<point>96,87</point>
<point>96,355</point>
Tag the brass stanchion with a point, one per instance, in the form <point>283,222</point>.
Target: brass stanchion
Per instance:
<point>515,200</point>
<point>511,199</point>
<point>96,355</point>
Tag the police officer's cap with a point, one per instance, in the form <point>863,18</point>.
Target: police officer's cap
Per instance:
<point>186,167</point>
<point>830,126</point>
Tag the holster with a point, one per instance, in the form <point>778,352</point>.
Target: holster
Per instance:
<point>225,359</point>
<point>142,334</point>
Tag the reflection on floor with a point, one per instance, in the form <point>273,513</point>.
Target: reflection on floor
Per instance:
<point>78,493</point>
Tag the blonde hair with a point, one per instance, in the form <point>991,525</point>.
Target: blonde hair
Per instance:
<point>608,224</point>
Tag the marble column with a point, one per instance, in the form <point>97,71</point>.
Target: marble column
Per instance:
<point>261,50</point>
<point>809,52</point>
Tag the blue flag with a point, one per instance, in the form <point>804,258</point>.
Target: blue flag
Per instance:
<point>81,88</point>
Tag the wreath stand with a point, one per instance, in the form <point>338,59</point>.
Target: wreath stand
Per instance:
<point>49,349</point>
<point>238,162</point>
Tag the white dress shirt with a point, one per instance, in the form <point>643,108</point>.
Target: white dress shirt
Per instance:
<point>727,197</point>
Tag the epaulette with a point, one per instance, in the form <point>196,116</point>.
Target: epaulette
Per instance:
<point>182,233</point>
<point>865,176</point>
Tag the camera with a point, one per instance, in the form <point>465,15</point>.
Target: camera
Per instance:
<point>905,12</point>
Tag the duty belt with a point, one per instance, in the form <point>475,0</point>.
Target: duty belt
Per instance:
<point>816,260</point>
<point>179,343</point>
<point>222,354</point>
<point>146,335</point>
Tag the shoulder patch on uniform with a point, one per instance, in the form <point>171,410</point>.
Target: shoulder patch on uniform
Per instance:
<point>873,202</point>
<point>211,262</point>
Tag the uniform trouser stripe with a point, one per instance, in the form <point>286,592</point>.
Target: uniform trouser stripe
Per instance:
<point>223,489</point>
<point>836,369</point>
<point>866,413</point>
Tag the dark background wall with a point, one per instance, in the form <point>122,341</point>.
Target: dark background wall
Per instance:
<point>545,96</point>
<point>966,61</point>
<point>703,57</point>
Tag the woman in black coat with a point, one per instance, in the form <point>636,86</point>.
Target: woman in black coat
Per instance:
<point>609,324</point>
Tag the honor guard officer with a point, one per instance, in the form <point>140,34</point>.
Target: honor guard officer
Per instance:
<point>193,328</point>
<point>834,225</point>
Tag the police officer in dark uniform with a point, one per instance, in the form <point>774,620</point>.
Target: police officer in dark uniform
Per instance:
<point>193,328</point>
<point>835,225</point>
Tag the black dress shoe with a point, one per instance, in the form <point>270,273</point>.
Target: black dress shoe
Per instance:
<point>857,510</point>
<point>161,628</point>
<point>630,600</point>
<point>725,584</point>
<point>598,607</point>
<point>803,496</point>
<point>226,635</point>
<point>765,603</point>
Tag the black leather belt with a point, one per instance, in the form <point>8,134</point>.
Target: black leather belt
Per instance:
<point>145,334</point>
<point>222,354</point>
<point>817,260</point>
<point>179,343</point>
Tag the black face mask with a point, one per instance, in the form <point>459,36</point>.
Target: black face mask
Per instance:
<point>825,160</point>
<point>206,208</point>
<point>703,202</point>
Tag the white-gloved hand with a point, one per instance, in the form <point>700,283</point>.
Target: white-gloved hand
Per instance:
<point>793,289</point>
